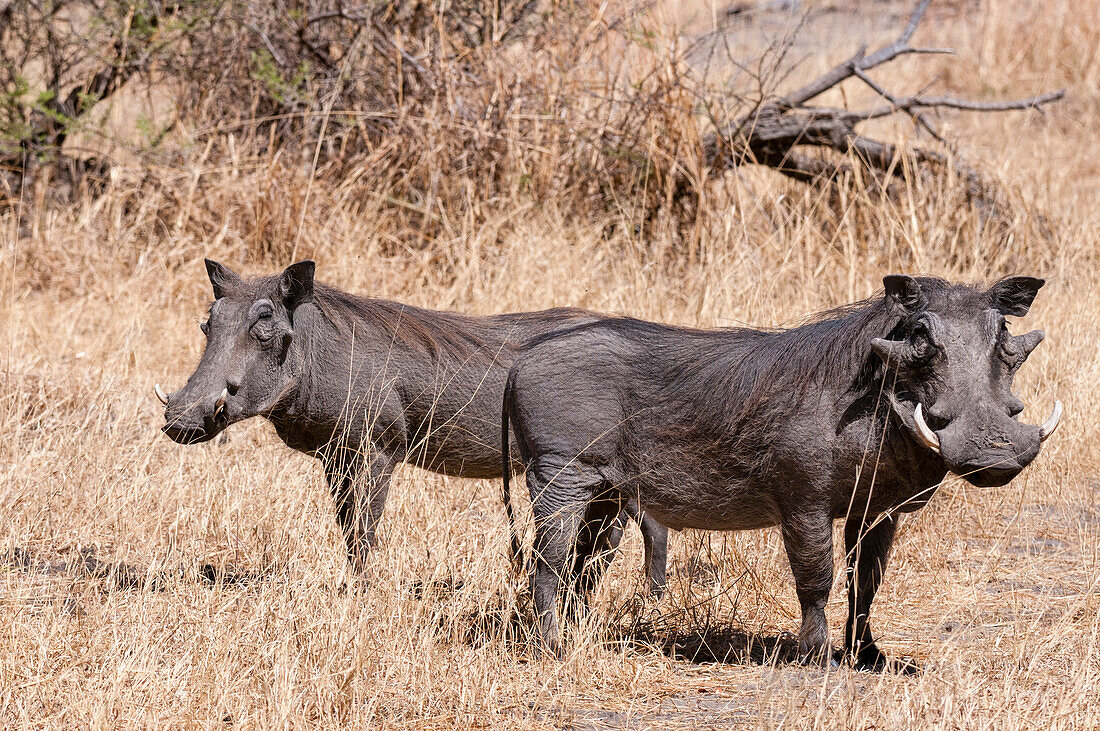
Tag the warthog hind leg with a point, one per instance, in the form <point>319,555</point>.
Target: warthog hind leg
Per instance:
<point>594,551</point>
<point>655,540</point>
<point>560,498</point>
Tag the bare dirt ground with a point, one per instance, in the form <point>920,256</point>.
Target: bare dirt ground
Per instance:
<point>151,585</point>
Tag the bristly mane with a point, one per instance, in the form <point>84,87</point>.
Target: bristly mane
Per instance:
<point>834,346</point>
<point>742,370</point>
<point>416,328</point>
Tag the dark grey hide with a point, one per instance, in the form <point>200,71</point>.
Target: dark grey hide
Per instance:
<point>362,384</point>
<point>735,429</point>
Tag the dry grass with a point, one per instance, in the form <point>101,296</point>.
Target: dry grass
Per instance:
<point>108,618</point>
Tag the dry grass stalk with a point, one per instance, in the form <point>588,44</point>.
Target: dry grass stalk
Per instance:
<point>144,584</point>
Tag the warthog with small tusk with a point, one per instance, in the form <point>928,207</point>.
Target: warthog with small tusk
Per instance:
<point>858,415</point>
<point>363,385</point>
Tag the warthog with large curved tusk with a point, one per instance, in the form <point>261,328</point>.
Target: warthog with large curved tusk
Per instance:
<point>930,440</point>
<point>363,385</point>
<point>858,416</point>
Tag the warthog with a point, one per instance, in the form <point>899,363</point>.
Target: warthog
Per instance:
<point>858,415</point>
<point>362,384</point>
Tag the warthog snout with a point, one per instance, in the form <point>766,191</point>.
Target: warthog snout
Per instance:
<point>246,366</point>
<point>1009,445</point>
<point>199,421</point>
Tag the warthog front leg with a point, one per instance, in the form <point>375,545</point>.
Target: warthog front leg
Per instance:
<point>808,539</point>
<point>867,543</point>
<point>359,484</point>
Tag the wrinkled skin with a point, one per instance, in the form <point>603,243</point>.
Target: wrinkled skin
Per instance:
<point>743,429</point>
<point>363,385</point>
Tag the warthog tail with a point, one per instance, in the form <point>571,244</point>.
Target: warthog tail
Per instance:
<point>516,553</point>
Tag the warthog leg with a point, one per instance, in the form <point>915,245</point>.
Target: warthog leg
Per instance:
<point>655,539</point>
<point>614,538</point>
<point>867,544</point>
<point>560,498</point>
<point>359,483</point>
<point>594,549</point>
<point>808,539</point>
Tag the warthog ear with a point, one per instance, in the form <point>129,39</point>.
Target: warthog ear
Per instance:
<point>296,284</point>
<point>903,294</point>
<point>222,278</point>
<point>1014,295</point>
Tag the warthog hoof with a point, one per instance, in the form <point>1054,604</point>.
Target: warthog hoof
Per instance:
<point>870,659</point>
<point>354,583</point>
<point>825,658</point>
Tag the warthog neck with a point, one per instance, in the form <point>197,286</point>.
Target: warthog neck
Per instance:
<point>891,472</point>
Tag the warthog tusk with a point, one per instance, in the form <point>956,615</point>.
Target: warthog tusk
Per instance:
<point>927,437</point>
<point>1051,423</point>
<point>220,403</point>
<point>160,394</point>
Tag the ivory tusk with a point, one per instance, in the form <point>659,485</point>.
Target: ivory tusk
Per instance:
<point>1051,423</point>
<point>160,394</point>
<point>220,403</point>
<point>927,437</point>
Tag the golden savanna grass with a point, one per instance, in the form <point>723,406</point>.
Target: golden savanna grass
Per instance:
<point>147,584</point>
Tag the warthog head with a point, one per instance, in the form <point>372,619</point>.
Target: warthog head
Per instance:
<point>244,369</point>
<point>954,360</point>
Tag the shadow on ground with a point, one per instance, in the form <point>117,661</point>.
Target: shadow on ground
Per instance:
<point>510,618</point>
<point>716,644</point>
<point>83,563</point>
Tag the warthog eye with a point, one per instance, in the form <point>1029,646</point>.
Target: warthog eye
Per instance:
<point>205,327</point>
<point>922,344</point>
<point>264,329</point>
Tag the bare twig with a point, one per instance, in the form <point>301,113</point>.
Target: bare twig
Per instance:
<point>768,134</point>
<point>914,103</point>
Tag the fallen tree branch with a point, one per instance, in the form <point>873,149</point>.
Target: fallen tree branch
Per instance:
<point>770,133</point>
<point>863,62</point>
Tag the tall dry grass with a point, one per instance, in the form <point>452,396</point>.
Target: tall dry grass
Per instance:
<point>147,584</point>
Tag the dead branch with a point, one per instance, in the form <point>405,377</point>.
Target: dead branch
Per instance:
<point>769,134</point>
